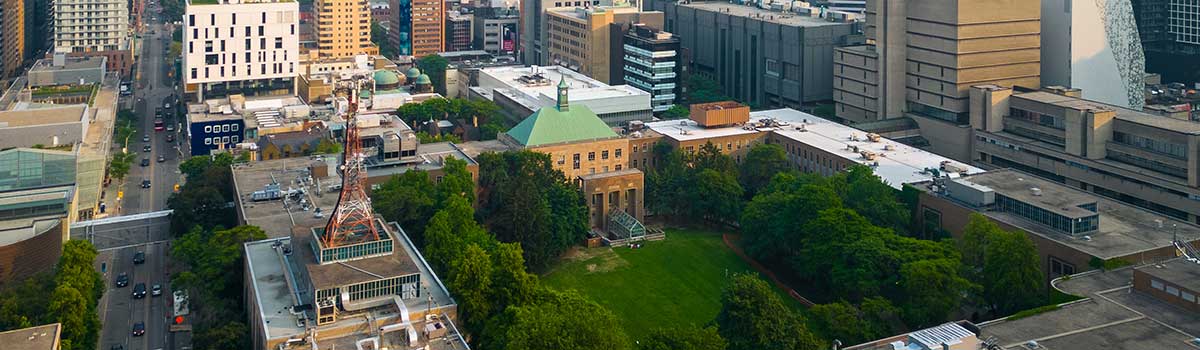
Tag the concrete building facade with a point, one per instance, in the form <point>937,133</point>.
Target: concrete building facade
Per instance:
<point>36,191</point>
<point>584,38</point>
<point>344,28</point>
<point>495,31</point>
<point>1094,46</point>
<point>417,27</point>
<point>520,91</point>
<point>240,48</point>
<point>760,56</point>
<point>534,39</point>
<point>1139,158</point>
<point>12,36</point>
<point>94,28</point>
<point>458,31</point>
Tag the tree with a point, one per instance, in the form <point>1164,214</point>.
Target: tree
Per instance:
<point>416,113</point>
<point>703,90</point>
<point>327,146</point>
<point>119,166</point>
<point>668,183</point>
<point>772,223</point>
<point>867,194</point>
<point>435,67</point>
<point>931,290</point>
<point>409,199</point>
<point>511,284</point>
<point>557,321</point>
<point>716,196</point>
<point>753,317</point>
<point>450,231</point>
<point>379,38</point>
<point>213,276</point>
<point>1012,278</point>
<point>471,280</point>
<point>846,323</point>
<point>974,241</point>
<point>529,202</point>
<point>676,112</point>
<point>710,157</point>
<point>457,181</point>
<point>762,163</point>
<point>683,338</point>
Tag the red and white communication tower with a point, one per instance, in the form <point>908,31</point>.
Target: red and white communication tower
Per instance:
<point>352,218</point>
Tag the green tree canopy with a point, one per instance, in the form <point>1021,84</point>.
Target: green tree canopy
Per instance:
<point>1012,277</point>
<point>753,317</point>
<point>762,163</point>
<point>683,338</point>
<point>409,199</point>
<point>435,67</point>
<point>529,202</point>
<point>556,321</point>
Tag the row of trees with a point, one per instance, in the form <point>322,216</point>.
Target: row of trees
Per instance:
<point>74,289</point>
<point>212,274</point>
<point>204,199</point>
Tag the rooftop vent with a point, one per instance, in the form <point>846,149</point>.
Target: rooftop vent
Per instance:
<point>1037,192</point>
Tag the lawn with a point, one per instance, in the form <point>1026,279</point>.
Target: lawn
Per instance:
<point>676,281</point>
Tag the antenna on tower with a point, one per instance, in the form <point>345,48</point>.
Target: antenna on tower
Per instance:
<point>352,217</point>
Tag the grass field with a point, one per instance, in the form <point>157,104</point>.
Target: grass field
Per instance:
<point>676,281</point>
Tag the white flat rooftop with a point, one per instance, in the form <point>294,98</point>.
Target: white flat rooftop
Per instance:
<point>898,163</point>
<point>533,96</point>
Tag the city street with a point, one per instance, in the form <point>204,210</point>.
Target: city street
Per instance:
<point>120,242</point>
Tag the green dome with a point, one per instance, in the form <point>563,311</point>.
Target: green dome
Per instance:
<point>424,80</point>
<point>385,77</point>
<point>413,73</point>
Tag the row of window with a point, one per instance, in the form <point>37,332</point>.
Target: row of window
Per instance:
<point>1158,146</point>
<point>1173,291</point>
<point>208,141</point>
<point>1046,217</point>
<point>221,128</point>
<point>591,157</point>
<point>276,68</point>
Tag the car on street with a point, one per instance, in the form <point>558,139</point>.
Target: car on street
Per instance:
<point>139,329</point>
<point>145,138</point>
<point>145,183</point>
<point>170,137</point>
<point>139,291</point>
<point>139,258</point>
<point>145,161</point>
<point>161,158</point>
<point>122,280</point>
<point>156,290</point>
<point>146,148</point>
<point>170,128</point>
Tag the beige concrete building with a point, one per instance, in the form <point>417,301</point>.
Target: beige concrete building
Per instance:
<point>12,36</point>
<point>582,38</point>
<point>1139,158</point>
<point>344,28</point>
<point>923,56</point>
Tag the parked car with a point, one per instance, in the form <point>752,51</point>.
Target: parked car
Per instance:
<point>139,291</point>
<point>145,138</point>
<point>156,290</point>
<point>161,158</point>
<point>139,258</point>
<point>139,329</point>
<point>122,279</point>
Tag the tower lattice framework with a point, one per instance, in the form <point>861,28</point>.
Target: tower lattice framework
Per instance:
<point>352,217</point>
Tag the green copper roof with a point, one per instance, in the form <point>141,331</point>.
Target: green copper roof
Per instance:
<point>385,77</point>
<point>413,73</point>
<point>424,80</point>
<point>549,126</point>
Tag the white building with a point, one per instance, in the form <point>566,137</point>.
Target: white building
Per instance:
<point>93,28</point>
<point>235,47</point>
<point>1093,45</point>
<point>522,90</point>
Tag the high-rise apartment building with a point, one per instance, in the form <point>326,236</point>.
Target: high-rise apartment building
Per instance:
<point>923,56</point>
<point>233,47</point>
<point>1129,155</point>
<point>12,36</point>
<point>94,28</point>
<point>650,60</point>
<point>344,28</point>
<point>417,27</point>
<point>582,38</point>
<point>1093,45</point>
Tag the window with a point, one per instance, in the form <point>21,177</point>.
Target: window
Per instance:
<point>1189,297</point>
<point>576,159</point>
<point>605,168</point>
<point>262,43</point>
<point>225,139</point>
<point>247,31</point>
<point>192,21</point>
<point>1156,284</point>
<point>225,128</point>
<point>562,159</point>
<point>247,48</point>
<point>278,43</point>
<point>233,17</point>
<point>208,140</point>
<point>234,127</point>
<point>208,128</point>
<point>618,153</point>
<point>618,167</point>
<point>591,170</point>
<point>1061,268</point>
<point>193,73</point>
<point>260,31</point>
<point>591,156</point>
<point>604,154</point>
<point>208,46</point>
<point>773,67</point>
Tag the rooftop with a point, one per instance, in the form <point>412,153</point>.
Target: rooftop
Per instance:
<point>1123,229</point>
<point>277,217</point>
<point>787,19</point>
<point>1181,272</point>
<point>581,13</point>
<point>70,63</point>
<point>1112,317</point>
<point>1139,117</point>
<point>432,156</point>
<point>550,125</point>
<point>45,337</point>
<point>343,273</point>
<point>896,163</point>
<point>234,2</point>
<point>515,83</point>
<point>42,116</point>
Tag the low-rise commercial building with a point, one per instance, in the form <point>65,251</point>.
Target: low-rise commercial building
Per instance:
<point>1133,156</point>
<point>522,90</point>
<point>760,56</point>
<point>31,124</point>
<point>1073,230</point>
<point>45,337</point>
<point>63,70</point>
